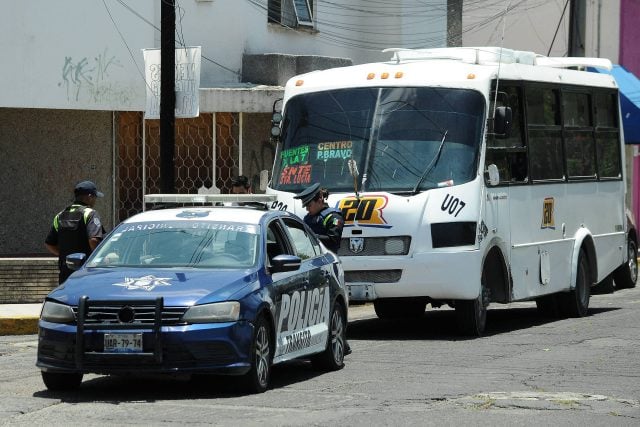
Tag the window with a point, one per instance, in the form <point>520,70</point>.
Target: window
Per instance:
<point>542,106</point>
<point>545,149</point>
<point>290,13</point>
<point>509,154</point>
<point>579,143</point>
<point>607,135</point>
<point>304,245</point>
<point>544,133</point>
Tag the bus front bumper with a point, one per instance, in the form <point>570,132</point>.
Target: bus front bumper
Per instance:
<point>438,275</point>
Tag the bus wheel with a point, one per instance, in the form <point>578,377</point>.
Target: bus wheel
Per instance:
<point>472,315</point>
<point>576,302</point>
<point>396,308</point>
<point>627,274</point>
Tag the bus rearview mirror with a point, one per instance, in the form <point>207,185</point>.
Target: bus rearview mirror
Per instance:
<point>502,122</point>
<point>494,175</point>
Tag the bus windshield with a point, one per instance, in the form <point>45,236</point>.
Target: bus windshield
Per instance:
<point>403,140</point>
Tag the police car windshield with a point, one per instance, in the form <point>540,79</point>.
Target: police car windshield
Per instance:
<point>179,244</point>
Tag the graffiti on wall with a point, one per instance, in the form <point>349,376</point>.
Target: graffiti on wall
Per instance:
<point>91,80</point>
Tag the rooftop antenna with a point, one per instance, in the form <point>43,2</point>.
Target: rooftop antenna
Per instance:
<point>504,25</point>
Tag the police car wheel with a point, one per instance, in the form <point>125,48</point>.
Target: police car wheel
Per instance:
<point>57,381</point>
<point>257,379</point>
<point>332,358</point>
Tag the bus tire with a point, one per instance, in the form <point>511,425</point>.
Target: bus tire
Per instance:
<point>397,308</point>
<point>575,303</point>
<point>471,315</point>
<point>626,275</point>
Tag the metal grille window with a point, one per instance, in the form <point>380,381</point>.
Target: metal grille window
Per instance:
<point>207,155</point>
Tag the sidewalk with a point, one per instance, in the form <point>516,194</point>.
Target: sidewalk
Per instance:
<point>19,319</point>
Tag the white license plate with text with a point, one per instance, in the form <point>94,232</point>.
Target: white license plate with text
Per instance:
<point>122,343</point>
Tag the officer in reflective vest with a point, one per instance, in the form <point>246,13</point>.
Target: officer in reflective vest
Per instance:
<point>325,221</point>
<point>77,228</point>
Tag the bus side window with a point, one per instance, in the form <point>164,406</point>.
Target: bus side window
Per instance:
<point>509,154</point>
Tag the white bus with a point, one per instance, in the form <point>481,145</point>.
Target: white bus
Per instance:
<point>448,200</point>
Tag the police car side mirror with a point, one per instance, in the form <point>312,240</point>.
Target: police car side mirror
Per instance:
<point>75,261</point>
<point>284,262</point>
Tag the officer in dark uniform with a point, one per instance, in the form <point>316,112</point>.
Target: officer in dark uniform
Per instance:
<point>77,228</point>
<point>325,221</point>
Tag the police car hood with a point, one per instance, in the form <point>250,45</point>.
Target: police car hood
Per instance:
<point>178,287</point>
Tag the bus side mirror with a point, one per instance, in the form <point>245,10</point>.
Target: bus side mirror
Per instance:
<point>502,122</point>
<point>494,175</point>
<point>276,131</point>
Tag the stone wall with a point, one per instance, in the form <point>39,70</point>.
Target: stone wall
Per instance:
<point>27,280</point>
<point>44,153</point>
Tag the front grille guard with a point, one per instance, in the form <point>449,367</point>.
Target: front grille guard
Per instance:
<point>155,329</point>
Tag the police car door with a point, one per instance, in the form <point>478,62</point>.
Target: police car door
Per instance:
<point>302,301</point>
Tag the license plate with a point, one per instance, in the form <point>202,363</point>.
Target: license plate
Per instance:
<point>122,343</point>
<point>361,291</point>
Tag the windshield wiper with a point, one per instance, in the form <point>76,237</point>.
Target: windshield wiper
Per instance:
<point>433,163</point>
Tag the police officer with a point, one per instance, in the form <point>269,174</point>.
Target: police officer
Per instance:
<point>325,221</point>
<point>240,185</point>
<point>77,228</point>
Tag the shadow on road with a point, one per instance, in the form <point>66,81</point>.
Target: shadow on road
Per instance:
<point>441,325</point>
<point>117,389</point>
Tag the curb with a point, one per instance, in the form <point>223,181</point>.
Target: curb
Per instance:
<point>19,326</point>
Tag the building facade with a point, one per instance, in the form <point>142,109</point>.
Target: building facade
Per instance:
<point>73,92</point>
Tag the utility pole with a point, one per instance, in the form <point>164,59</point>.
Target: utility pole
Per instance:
<point>454,23</point>
<point>577,24</point>
<point>167,95</point>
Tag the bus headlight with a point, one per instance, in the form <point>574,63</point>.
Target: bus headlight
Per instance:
<point>394,246</point>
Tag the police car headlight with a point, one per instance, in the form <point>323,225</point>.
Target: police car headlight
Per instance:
<point>57,313</point>
<point>228,311</point>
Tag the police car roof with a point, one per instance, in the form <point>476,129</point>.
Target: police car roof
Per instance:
<point>223,214</point>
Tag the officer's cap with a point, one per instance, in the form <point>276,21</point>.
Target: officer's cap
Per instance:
<point>87,187</point>
<point>308,194</point>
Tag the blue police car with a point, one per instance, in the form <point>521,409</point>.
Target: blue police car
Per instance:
<point>224,290</point>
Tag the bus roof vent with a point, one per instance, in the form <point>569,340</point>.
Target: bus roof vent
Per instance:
<point>567,62</point>
<point>494,55</point>
<point>470,55</point>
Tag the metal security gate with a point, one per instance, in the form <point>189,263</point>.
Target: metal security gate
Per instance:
<point>207,154</point>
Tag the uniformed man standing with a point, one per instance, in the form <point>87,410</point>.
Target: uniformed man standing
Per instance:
<point>325,221</point>
<point>77,228</point>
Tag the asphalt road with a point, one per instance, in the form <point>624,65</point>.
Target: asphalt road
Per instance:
<point>527,370</point>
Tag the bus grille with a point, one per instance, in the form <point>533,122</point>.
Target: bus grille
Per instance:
<point>373,276</point>
<point>374,246</point>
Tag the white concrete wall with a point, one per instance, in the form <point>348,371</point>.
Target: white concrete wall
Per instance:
<point>68,54</point>
<point>531,26</point>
